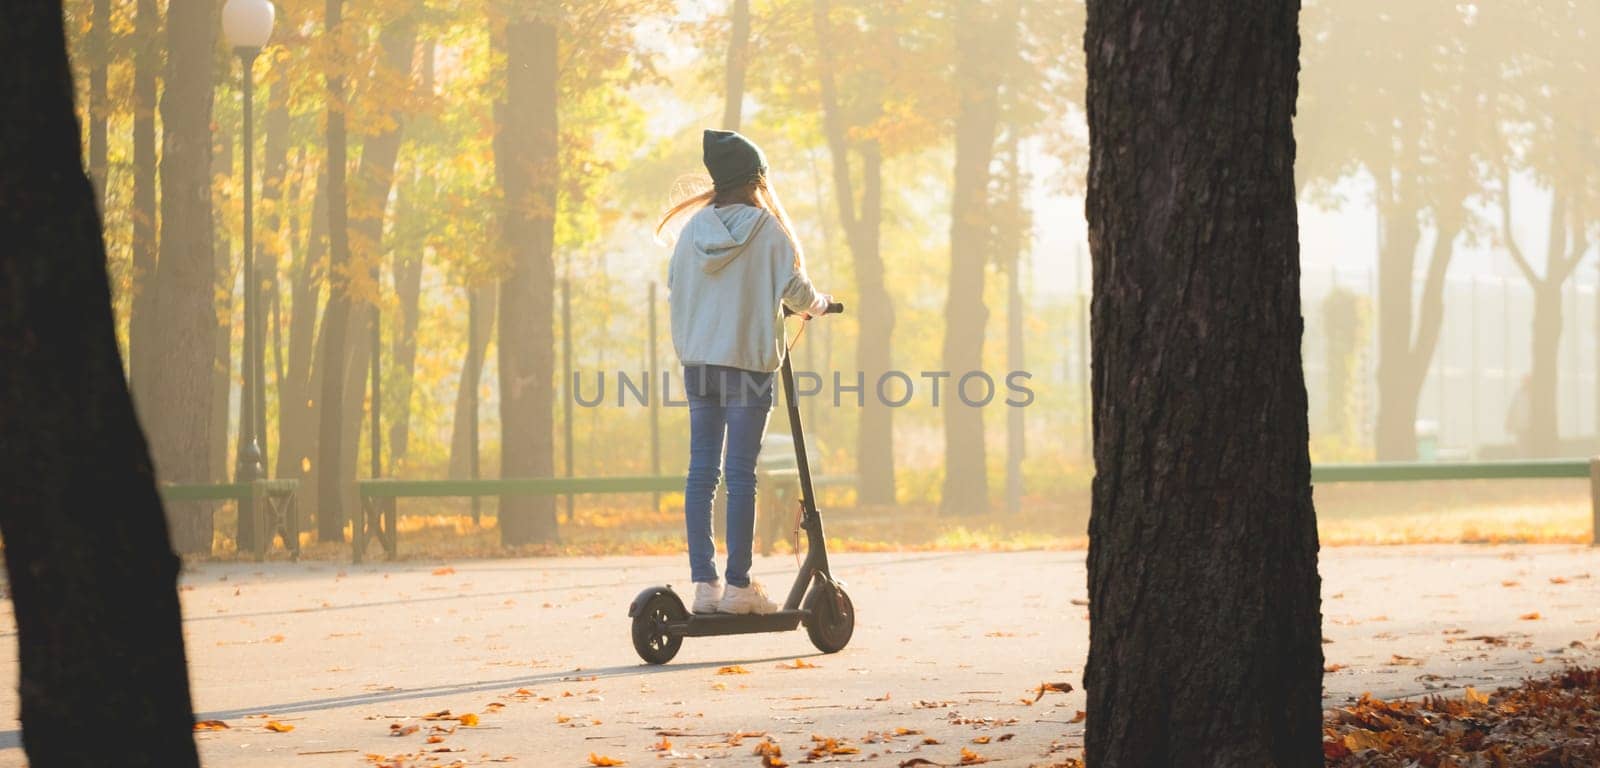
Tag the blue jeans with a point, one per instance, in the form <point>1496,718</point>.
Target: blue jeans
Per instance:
<point>728,411</point>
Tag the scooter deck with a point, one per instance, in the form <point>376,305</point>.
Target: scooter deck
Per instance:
<point>709,624</point>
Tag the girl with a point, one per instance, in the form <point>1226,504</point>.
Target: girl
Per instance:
<point>735,265</point>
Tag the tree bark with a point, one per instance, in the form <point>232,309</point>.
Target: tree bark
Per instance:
<point>875,468</point>
<point>528,166</point>
<point>336,315</point>
<point>408,257</point>
<point>186,319</point>
<point>978,75</point>
<point>374,181</point>
<point>738,63</point>
<point>222,337</point>
<point>466,410</point>
<point>1205,647</point>
<point>297,414</point>
<point>1544,376</point>
<point>408,295</point>
<point>142,343</point>
<point>93,577</point>
<point>1399,233</point>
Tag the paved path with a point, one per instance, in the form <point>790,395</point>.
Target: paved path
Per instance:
<point>947,645</point>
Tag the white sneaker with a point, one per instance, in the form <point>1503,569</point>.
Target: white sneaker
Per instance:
<point>706,596</point>
<point>751,599</point>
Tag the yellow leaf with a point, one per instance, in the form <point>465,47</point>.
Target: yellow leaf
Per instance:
<point>211,725</point>
<point>968,757</point>
<point>277,727</point>
<point>469,720</point>
<point>1530,616</point>
<point>733,670</point>
<point>1474,697</point>
<point>595,759</point>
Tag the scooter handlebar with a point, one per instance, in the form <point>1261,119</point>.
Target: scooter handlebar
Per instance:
<point>834,308</point>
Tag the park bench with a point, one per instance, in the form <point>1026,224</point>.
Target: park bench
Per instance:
<point>378,518</point>
<point>1434,471</point>
<point>274,500</point>
<point>778,484</point>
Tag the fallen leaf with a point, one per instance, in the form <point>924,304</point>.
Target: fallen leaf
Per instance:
<point>1045,688</point>
<point>445,571</point>
<point>798,664</point>
<point>277,727</point>
<point>469,720</point>
<point>397,729</point>
<point>663,745</point>
<point>968,757</point>
<point>733,670</point>
<point>595,759</point>
<point>211,725</point>
<point>1534,616</point>
<point>1078,718</point>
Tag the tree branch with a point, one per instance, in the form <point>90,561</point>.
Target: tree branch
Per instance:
<point>1511,239</point>
<point>833,122</point>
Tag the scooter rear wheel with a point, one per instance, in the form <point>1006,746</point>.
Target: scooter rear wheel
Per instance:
<point>651,639</point>
<point>831,618</point>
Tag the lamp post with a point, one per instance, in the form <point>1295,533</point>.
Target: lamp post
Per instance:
<point>247,25</point>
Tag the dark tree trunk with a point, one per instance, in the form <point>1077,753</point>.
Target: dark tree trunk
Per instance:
<point>408,292</point>
<point>874,310</point>
<point>978,74</point>
<point>1544,439</point>
<point>222,338</point>
<point>142,342</point>
<point>408,295</point>
<point>1012,230</point>
<point>374,180</point>
<point>1205,648</point>
<point>297,415</point>
<point>466,410</point>
<point>302,383</point>
<point>186,319</point>
<point>1399,372</point>
<point>1565,247</point>
<point>269,251</point>
<point>738,63</point>
<point>526,161</point>
<point>99,40</point>
<point>336,316</point>
<point>93,577</point>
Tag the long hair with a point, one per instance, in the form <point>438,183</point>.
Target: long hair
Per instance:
<point>757,192</point>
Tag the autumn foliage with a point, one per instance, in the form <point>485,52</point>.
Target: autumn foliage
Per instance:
<point>1551,722</point>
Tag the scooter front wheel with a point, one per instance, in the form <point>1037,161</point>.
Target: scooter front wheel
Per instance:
<point>830,618</point>
<point>651,638</point>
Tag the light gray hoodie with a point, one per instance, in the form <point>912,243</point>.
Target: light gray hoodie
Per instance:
<point>731,272</point>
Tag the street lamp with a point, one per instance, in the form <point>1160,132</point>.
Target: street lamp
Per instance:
<point>247,25</point>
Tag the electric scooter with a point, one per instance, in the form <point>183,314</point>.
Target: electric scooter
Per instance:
<point>660,621</point>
